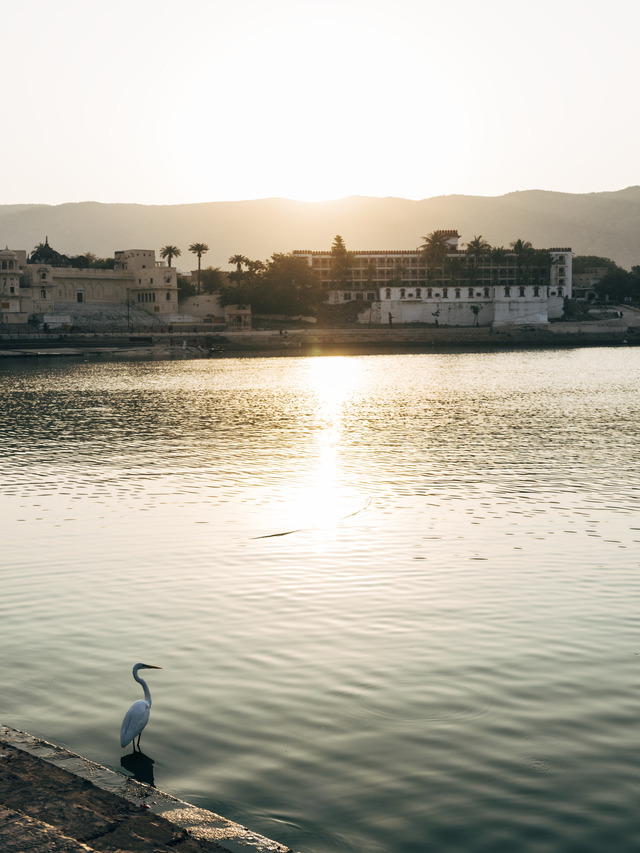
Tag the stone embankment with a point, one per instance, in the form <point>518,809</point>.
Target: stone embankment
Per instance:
<point>335,341</point>
<point>53,801</point>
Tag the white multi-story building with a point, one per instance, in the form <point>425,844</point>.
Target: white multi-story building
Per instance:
<point>498,287</point>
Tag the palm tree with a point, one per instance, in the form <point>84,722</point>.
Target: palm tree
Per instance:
<point>169,253</point>
<point>520,246</point>
<point>435,249</point>
<point>477,248</point>
<point>522,249</point>
<point>498,257</point>
<point>239,261</point>
<point>199,249</point>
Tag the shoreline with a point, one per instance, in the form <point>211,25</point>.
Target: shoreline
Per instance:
<point>319,342</point>
<point>55,800</point>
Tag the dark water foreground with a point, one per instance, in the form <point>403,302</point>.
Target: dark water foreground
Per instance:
<point>54,800</point>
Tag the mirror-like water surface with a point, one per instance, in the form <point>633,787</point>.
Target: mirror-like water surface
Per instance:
<point>395,598</point>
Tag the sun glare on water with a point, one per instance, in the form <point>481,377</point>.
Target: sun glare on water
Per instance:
<point>327,502</point>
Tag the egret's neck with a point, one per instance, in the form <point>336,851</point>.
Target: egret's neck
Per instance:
<point>141,681</point>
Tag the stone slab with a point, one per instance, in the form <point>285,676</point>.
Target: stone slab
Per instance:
<point>56,801</point>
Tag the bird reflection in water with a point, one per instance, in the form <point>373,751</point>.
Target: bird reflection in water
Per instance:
<point>140,765</point>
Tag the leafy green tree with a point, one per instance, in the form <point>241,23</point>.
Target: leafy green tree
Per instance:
<point>169,253</point>
<point>285,284</point>
<point>581,263</point>
<point>212,279</point>
<point>255,268</point>
<point>341,262</point>
<point>199,249</point>
<point>91,261</point>
<point>619,286</point>
<point>186,288</point>
<point>290,285</point>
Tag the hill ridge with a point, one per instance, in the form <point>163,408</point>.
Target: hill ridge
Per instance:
<point>599,223</point>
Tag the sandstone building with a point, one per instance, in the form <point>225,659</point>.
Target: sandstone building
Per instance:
<point>46,285</point>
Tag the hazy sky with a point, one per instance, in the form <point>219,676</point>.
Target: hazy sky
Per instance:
<point>161,102</point>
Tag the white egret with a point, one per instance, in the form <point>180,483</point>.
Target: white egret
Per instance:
<point>137,716</point>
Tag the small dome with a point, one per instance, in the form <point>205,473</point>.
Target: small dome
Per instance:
<point>8,255</point>
<point>44,254</point>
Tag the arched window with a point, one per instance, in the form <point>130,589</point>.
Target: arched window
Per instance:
<point>429,293</point>
<point>536,291</point>
<point>418,293</point>
<point>445,292</point>
<point>168,297</point>
<point>486,292</point>
<point>507,291</point>
<point>521,291</point>
<point>402,293</point>
<point>387,293</point>
<point>470,293</point>
<point>458,293</point>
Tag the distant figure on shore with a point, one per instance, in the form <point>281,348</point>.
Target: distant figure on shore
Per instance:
<point>390,318</point>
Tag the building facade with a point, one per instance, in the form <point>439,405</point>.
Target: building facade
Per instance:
<point>496,287</point>
<point>584,283</point>
<point>46,284</point>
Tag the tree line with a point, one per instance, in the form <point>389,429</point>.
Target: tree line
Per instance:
<point>617,284</point>
<point>285,283</point>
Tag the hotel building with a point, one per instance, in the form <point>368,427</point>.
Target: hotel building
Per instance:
<point>498,287</point>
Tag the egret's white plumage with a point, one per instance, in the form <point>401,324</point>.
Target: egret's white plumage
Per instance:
<point>137,716</point>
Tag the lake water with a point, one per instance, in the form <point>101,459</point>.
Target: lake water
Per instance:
<point>395,598</point>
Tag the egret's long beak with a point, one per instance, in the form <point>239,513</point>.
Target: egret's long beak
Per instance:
<point>150,666</point>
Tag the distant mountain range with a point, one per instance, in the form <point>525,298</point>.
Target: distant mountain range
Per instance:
<point>605,224</point>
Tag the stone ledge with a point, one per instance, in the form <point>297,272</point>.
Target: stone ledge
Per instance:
<point>52,799</point>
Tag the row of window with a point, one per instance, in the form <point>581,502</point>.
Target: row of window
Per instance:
<point>444,293</point>
<point>438,283</point>
<point>151,297</point>
<point>386,264</point>
<point>471,292</point>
